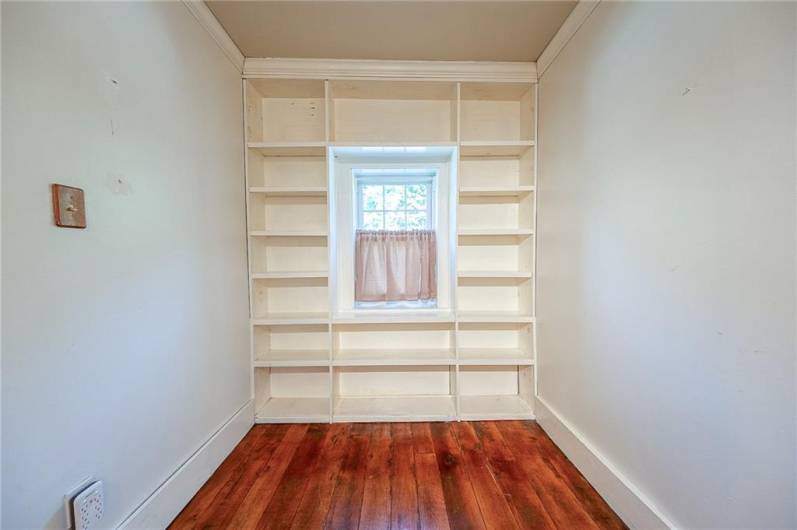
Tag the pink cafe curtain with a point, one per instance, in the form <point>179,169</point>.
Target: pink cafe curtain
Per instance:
<point>395,265</point>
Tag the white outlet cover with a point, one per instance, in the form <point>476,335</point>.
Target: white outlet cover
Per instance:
<point>70,496</point>
<point>89,506</point>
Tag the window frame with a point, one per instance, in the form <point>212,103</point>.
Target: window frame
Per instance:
<point>396,179</point>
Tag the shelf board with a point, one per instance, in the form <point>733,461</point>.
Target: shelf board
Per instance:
<point>288,233</point>
<point>290,191</point>
<point>393,358</point>
<point>293,410</point>
<point>394,144</point>
<point>518,232</point>
<point>495,148</point>
<point>496,407</point>
<point>290,318</point>
<point>289,148</point>
<point>394,408</point>
<point>287,358</point>
<point>397,317</point>
<point>288,275</point>
<point>494,316</point>
<point>492,357</point>
<point>495,191</point>
<point>494,274</point>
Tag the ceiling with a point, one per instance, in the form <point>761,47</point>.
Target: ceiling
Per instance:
<point>384,30</point>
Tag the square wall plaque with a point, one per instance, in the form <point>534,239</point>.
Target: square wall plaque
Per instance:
<point>68,207</point>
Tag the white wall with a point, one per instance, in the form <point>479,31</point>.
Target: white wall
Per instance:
<point>125,345</point>
<point>666,264</point>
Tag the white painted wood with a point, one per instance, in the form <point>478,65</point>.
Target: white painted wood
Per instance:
<point>494,316</point>
<point>493,356</point>
<point>289,148</point>
<point>280,253</point>
<point>369,69</point>
<point>294,410</point>
<point>392,317</point>
<point>393,111</point>
<point>290,191</point>
<point>293,358</point>
<point>388,357</point>
<point>394,408</point>
<point>340,356</point>
<point>572,23</point>
<point>168,499</point>
<point>288,233</point>
<point>494,407</point>
<point>496,232</point>
<point>208,21</point>
<point>288,319</point>
<point>495,148</point>
<point>494,274</point>
<point>495,191</point>
<point>283,275</point>
<point>634,507</point>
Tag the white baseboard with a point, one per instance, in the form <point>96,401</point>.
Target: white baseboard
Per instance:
<point>626,500</point>
<point>160,508</point>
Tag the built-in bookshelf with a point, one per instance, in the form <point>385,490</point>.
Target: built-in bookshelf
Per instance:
<point>312,363</point>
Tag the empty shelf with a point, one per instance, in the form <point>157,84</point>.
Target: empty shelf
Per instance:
<point>286,275</point>
<point>495,191</point>
<point>290,191</point>
<point>494,316</point>
<point>289,358</point>
<point>294,410</point>
<point>290,318</point>
<point>289,148</point>
<point>497,407</point>
<point>488,357</point>
<point>393,357</point>
<point>395,408</point>
<point>495,148</point>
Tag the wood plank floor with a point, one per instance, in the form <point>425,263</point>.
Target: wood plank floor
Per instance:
<point>487,475</point>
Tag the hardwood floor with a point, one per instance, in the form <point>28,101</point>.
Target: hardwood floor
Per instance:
<point>487,475</point>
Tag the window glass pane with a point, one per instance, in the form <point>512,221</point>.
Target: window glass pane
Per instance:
<point>416,220</point>
<point>394,198</point>
<point>372,197</point>
<point>417,195</point>
<point>395,220</point>
<point>372,221</point>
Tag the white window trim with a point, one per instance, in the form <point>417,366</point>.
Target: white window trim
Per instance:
<point>343,181</point>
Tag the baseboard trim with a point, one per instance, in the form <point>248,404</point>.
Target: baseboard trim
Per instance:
<point>631,505</point>
<point>163,505</point>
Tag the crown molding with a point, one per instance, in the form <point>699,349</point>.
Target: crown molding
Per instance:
<point>375,69</point>
<point>572,23</point>
<point>208,21</point>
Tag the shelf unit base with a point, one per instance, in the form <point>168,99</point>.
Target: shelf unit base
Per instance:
<point>394,409</point>
<point>293,410</point>
<point>510,407</point>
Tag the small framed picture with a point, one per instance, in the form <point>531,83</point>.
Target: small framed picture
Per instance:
<point>69,209</point>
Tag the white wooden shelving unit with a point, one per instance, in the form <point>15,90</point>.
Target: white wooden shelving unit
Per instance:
<point>311,364</point>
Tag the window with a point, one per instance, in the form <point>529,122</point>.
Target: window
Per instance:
<point>398,200</point>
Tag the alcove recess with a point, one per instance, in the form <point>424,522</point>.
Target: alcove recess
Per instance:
<point>313,365</point>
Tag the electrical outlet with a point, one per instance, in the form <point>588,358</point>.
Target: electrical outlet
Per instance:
<point>89,506</point>
<point>69,514</point>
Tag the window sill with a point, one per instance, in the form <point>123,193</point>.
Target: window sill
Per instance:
<point>394,316</point>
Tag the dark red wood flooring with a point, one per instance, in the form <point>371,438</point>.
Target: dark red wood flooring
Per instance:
<point>487,475</point>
